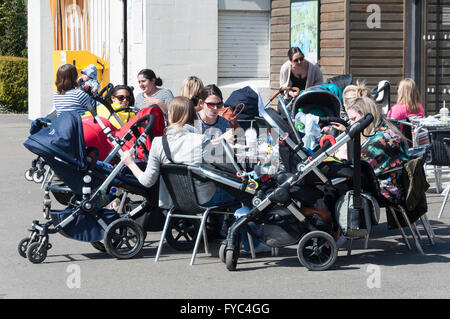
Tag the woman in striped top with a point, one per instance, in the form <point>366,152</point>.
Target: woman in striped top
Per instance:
<point>68,96</point>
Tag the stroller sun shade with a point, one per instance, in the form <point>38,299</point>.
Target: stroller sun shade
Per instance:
<point>62,146</point>
<point>318,101</point>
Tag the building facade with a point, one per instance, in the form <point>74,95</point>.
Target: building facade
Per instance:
<point>235,43</point>
<point>374,40</point>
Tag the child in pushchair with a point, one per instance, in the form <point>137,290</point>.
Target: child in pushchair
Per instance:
<point>92,185</point>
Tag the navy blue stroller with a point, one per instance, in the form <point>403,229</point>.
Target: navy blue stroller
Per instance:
<point>61,145</point>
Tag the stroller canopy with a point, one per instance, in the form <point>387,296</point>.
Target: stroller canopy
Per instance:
<point>62,140</point>
<point>62,147</point>
<point>318,101</point>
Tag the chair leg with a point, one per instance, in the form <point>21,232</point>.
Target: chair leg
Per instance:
<point>416,241</point>
<point>430,228</point>
<point>427,230</point>
<point>349,247</point>
<point>199,235</point>
<point>447,190</point>
<point>275,251</point>
<point>405,238</point>
<point>414,225</point>
<point>163,235</point>
<point>437,178</point>
<point>252,247</point>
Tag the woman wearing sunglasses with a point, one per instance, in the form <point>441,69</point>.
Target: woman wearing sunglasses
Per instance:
<point>121,96</point>
<point>299,72</point>
<point>212,124</point>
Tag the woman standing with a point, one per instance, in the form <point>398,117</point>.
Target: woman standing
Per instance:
<point>152,93</point>
<point>299,72</point>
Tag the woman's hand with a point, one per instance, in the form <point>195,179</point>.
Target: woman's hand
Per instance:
<point>127,158</point>
<point>228,136</point>
<point>151,101</point>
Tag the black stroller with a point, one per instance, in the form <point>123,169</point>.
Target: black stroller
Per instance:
<point>92,183</point>
<point>279,211</point>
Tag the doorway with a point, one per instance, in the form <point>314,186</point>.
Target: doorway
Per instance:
<point>435,62</point>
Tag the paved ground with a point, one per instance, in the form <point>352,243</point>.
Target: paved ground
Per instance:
<point>386,270</point>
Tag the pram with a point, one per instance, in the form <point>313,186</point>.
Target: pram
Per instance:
<point>92,183</point>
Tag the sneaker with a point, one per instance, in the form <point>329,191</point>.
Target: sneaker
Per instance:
<point>341,241</point>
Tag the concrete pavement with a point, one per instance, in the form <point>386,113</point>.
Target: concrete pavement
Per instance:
<point>76,270</point>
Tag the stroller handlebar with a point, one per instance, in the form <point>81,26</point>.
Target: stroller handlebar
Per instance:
<point>359,126</point>
<point>329,119</point>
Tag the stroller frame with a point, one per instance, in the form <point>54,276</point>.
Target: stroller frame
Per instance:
<point>36,245</point>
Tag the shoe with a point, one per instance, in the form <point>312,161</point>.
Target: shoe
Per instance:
<point>341,241</point>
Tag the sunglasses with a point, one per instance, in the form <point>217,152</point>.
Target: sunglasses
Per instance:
<point>214,105</point>
<point>122,97</point>
<point>298,60</point>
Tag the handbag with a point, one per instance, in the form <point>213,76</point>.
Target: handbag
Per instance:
<point>231,115</point>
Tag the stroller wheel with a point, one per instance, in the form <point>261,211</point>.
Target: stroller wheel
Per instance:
<point>124,238</point>
<point>35,254</point>
<point>38,176</point>
<point>29,175</point>
<point>222,249</point>
<point>232,255</point>
<point>182,233</point>
<point>317,250</point>
<point>99,246</point>
<point>23,246</point>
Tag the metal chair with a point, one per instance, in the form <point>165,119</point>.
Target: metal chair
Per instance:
<point>439,153</point>
<point>178,179</point>
<point>397,212</point>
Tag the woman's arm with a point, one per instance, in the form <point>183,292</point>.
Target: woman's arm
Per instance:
<point>149,177</point>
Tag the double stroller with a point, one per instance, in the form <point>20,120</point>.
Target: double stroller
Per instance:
<point>90,185</point>
<point>277,208</point>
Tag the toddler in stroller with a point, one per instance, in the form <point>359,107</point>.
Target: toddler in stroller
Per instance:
<point>92,183</point>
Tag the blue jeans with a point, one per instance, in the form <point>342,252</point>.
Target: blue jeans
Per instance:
<point>220,197</point>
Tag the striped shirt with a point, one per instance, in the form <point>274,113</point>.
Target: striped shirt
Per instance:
<point>72,100</point>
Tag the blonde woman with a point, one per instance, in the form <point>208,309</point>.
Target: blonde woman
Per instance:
<point>383,147</point>
<point>408,102</point>
<point>352,92</point>
<point>191,88</point>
